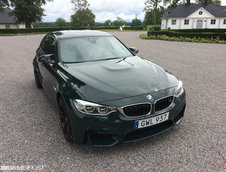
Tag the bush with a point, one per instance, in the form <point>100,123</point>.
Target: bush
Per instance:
<point>34,30</point>
<point>153,28</point>
<point>201,30</point>
<point>44,30</point>
<point>191,34</point>
<point>183,39</point>
<point>117,27</point>
<point>133,28</point>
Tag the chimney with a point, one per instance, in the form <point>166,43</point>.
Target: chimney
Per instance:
<point>205,2</point>
<point>188,2</point>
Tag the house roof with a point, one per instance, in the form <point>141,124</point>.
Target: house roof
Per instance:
<point>184,10</point>
<point>5,17</point>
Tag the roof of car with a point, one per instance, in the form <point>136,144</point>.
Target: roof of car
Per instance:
<point>79,33</point>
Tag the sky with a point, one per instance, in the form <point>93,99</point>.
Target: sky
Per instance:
<point>103,9</point>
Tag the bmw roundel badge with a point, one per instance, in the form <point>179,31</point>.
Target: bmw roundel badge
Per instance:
<point>149,97</point>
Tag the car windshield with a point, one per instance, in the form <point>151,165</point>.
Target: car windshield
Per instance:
<point>83,49</point>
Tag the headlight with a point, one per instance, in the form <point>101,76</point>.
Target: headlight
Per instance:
<point>179,89</point>
<point>92,108</point>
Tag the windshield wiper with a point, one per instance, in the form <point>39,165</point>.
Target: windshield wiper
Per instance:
<point>110,58</point>
<point>74,62</point>
<point>123,58</point>
<point>92,60</point>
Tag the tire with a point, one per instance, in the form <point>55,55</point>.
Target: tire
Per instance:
<point>64,121</point>
<point>37,80</point>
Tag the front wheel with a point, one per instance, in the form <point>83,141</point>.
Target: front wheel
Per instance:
<point>64,121</point>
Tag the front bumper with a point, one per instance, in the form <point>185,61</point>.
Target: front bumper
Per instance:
<point>109,130</point>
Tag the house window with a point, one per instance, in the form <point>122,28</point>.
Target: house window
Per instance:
<point>200,12</point>
<point>224,21</point>
<point>174,22</point>
<point>213,21</point>
<point>186,22</point>
<point>7,26</point>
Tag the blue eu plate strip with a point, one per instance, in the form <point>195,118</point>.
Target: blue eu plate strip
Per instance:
<point>136,124</point>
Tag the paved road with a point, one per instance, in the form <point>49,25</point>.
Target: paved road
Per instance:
<point>30,133</point>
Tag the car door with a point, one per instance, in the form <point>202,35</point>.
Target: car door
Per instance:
<point>41,64</point>
<point>48,70</point>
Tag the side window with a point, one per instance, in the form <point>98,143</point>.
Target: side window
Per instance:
<point>213,21</point>
<point>48,45</point>
<point>186,22</point>
<point>174,22</point>
<point>7,26</point>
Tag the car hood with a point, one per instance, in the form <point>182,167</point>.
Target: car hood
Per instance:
<point>107,80</point>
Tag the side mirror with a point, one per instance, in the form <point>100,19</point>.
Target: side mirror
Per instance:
<point>47,58</point>
<point>37,51</point>
<point>134,50</point>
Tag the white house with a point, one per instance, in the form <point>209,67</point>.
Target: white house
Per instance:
<point>192,16</point>
<point>7,21</point>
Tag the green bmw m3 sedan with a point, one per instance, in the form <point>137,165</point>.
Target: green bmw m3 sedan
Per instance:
<point>104,93</point>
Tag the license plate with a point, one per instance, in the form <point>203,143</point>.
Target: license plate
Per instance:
<point>151,121</point>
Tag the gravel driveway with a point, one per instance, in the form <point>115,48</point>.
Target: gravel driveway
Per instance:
<point>30,133</point>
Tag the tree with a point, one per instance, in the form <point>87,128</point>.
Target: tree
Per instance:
<point>27,12</point>
<point>136,22</point>
<point>82,18</point>
<point>107,22</point>
<point>152,5</point>
<point>80,4</point>
<point>83,15</point>
<point>171,3</point>
<point>4,3</point>
<point>60,22</point>
<point>149,16</point>
<point>44,24</point>
<point>119,22</point>
<point>215,2</point>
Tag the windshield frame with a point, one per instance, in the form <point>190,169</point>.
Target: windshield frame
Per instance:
<point>59,53</point>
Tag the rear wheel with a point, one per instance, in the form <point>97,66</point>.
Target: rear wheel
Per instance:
<point>37,79</point>
<point>64,120</point>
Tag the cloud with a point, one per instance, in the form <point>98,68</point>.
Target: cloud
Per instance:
<point>103,9</point>
<point>117,6</point>
<point>56,9</point>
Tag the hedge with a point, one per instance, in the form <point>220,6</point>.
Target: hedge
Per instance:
<point>191,34</point>
<point>182,39</point>
<point>34,30</point>
<point>153,28</point>
<point>133,28</point>
<point>201,30</point>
